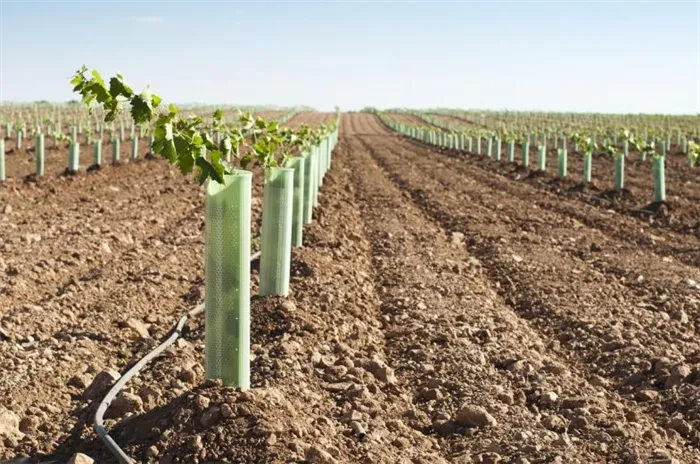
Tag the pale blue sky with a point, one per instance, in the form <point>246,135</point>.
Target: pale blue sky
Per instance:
<point>576,56</point>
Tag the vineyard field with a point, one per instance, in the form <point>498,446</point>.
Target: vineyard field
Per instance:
<point>445,307</point>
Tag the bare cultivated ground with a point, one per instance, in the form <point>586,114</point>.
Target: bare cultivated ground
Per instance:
<point>681,212</point>
<point>440,312</point>
<point>79,256</point>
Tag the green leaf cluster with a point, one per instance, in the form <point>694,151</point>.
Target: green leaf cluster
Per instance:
<point>186,142</point>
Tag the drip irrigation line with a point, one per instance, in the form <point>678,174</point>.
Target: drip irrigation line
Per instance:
<point>98,424</point>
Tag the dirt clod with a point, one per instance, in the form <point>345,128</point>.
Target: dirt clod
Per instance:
<point>475,416</point>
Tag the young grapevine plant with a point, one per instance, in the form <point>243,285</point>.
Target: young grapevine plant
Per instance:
<point>585,144</point>
<point>186,141</point>
<point>693,152</point>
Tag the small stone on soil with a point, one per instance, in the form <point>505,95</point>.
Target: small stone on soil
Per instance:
<point>475,416</point>
<point>124,403</point>
<point>210,417</point>
<point>138,328</point>
<point>9,424</point>
<point>101,383</point>
<point>80,458</point>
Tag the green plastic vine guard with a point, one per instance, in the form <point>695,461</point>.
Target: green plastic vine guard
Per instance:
<point>659,178</point>
<point>489,147</point>
<point>497,153</point>
<point>276,233</point>
<point>309,177</point>
<point>619,172</point>
<point>326,143</point>
<point>478,145</point>
<point>316,185</point>
<point>40,155</point>
<point>2,161</point>
<point>227,280</point>
<point>319,169</point>
<point>587,165</point>
<point>74,157</point>
<point>321,163</point>
<point>134,147</point>
<point>526,154</point>
<point>298,165</point>
<point>470,145</point>
<point>73,134</point>
<point>562,162</point>
<point>511,151</point>
<point>663,148</point>
<point>20,137</point>
<point>625,148</point>
<point>115,150</point>
<point>542,158</point>
<point>97,153</point>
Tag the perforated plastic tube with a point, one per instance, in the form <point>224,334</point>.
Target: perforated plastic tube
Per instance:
<point>227,280</point>
<point>276,234</point>
<point>298,210</point>
<point>74,157</point>
<point>115,150</point>
<point>562,162</point>
<point>325,154</point>
<point>619,172</point>
<point>97,153</point>
<point>2,160</point>
<point>309,176</point>
<point>40,154</point>
<point>587,165</point>
<point>542,158</point>
<point>319,162</point>
<point>511,151</point>
<point>317,175</point>
<point>659,178</point>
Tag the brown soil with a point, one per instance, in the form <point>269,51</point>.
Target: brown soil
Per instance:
<point>680,212</point>
<point>410,119</point>
<point>456,315</point>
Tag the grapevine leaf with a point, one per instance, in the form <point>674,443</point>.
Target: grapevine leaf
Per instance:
<point>141,109</point>
<point>211,169</point>
<point>155,101</point>
<point>118,87</point>
<point>186,161</point>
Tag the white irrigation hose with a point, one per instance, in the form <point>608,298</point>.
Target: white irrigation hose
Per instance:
<point>135,369</point>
